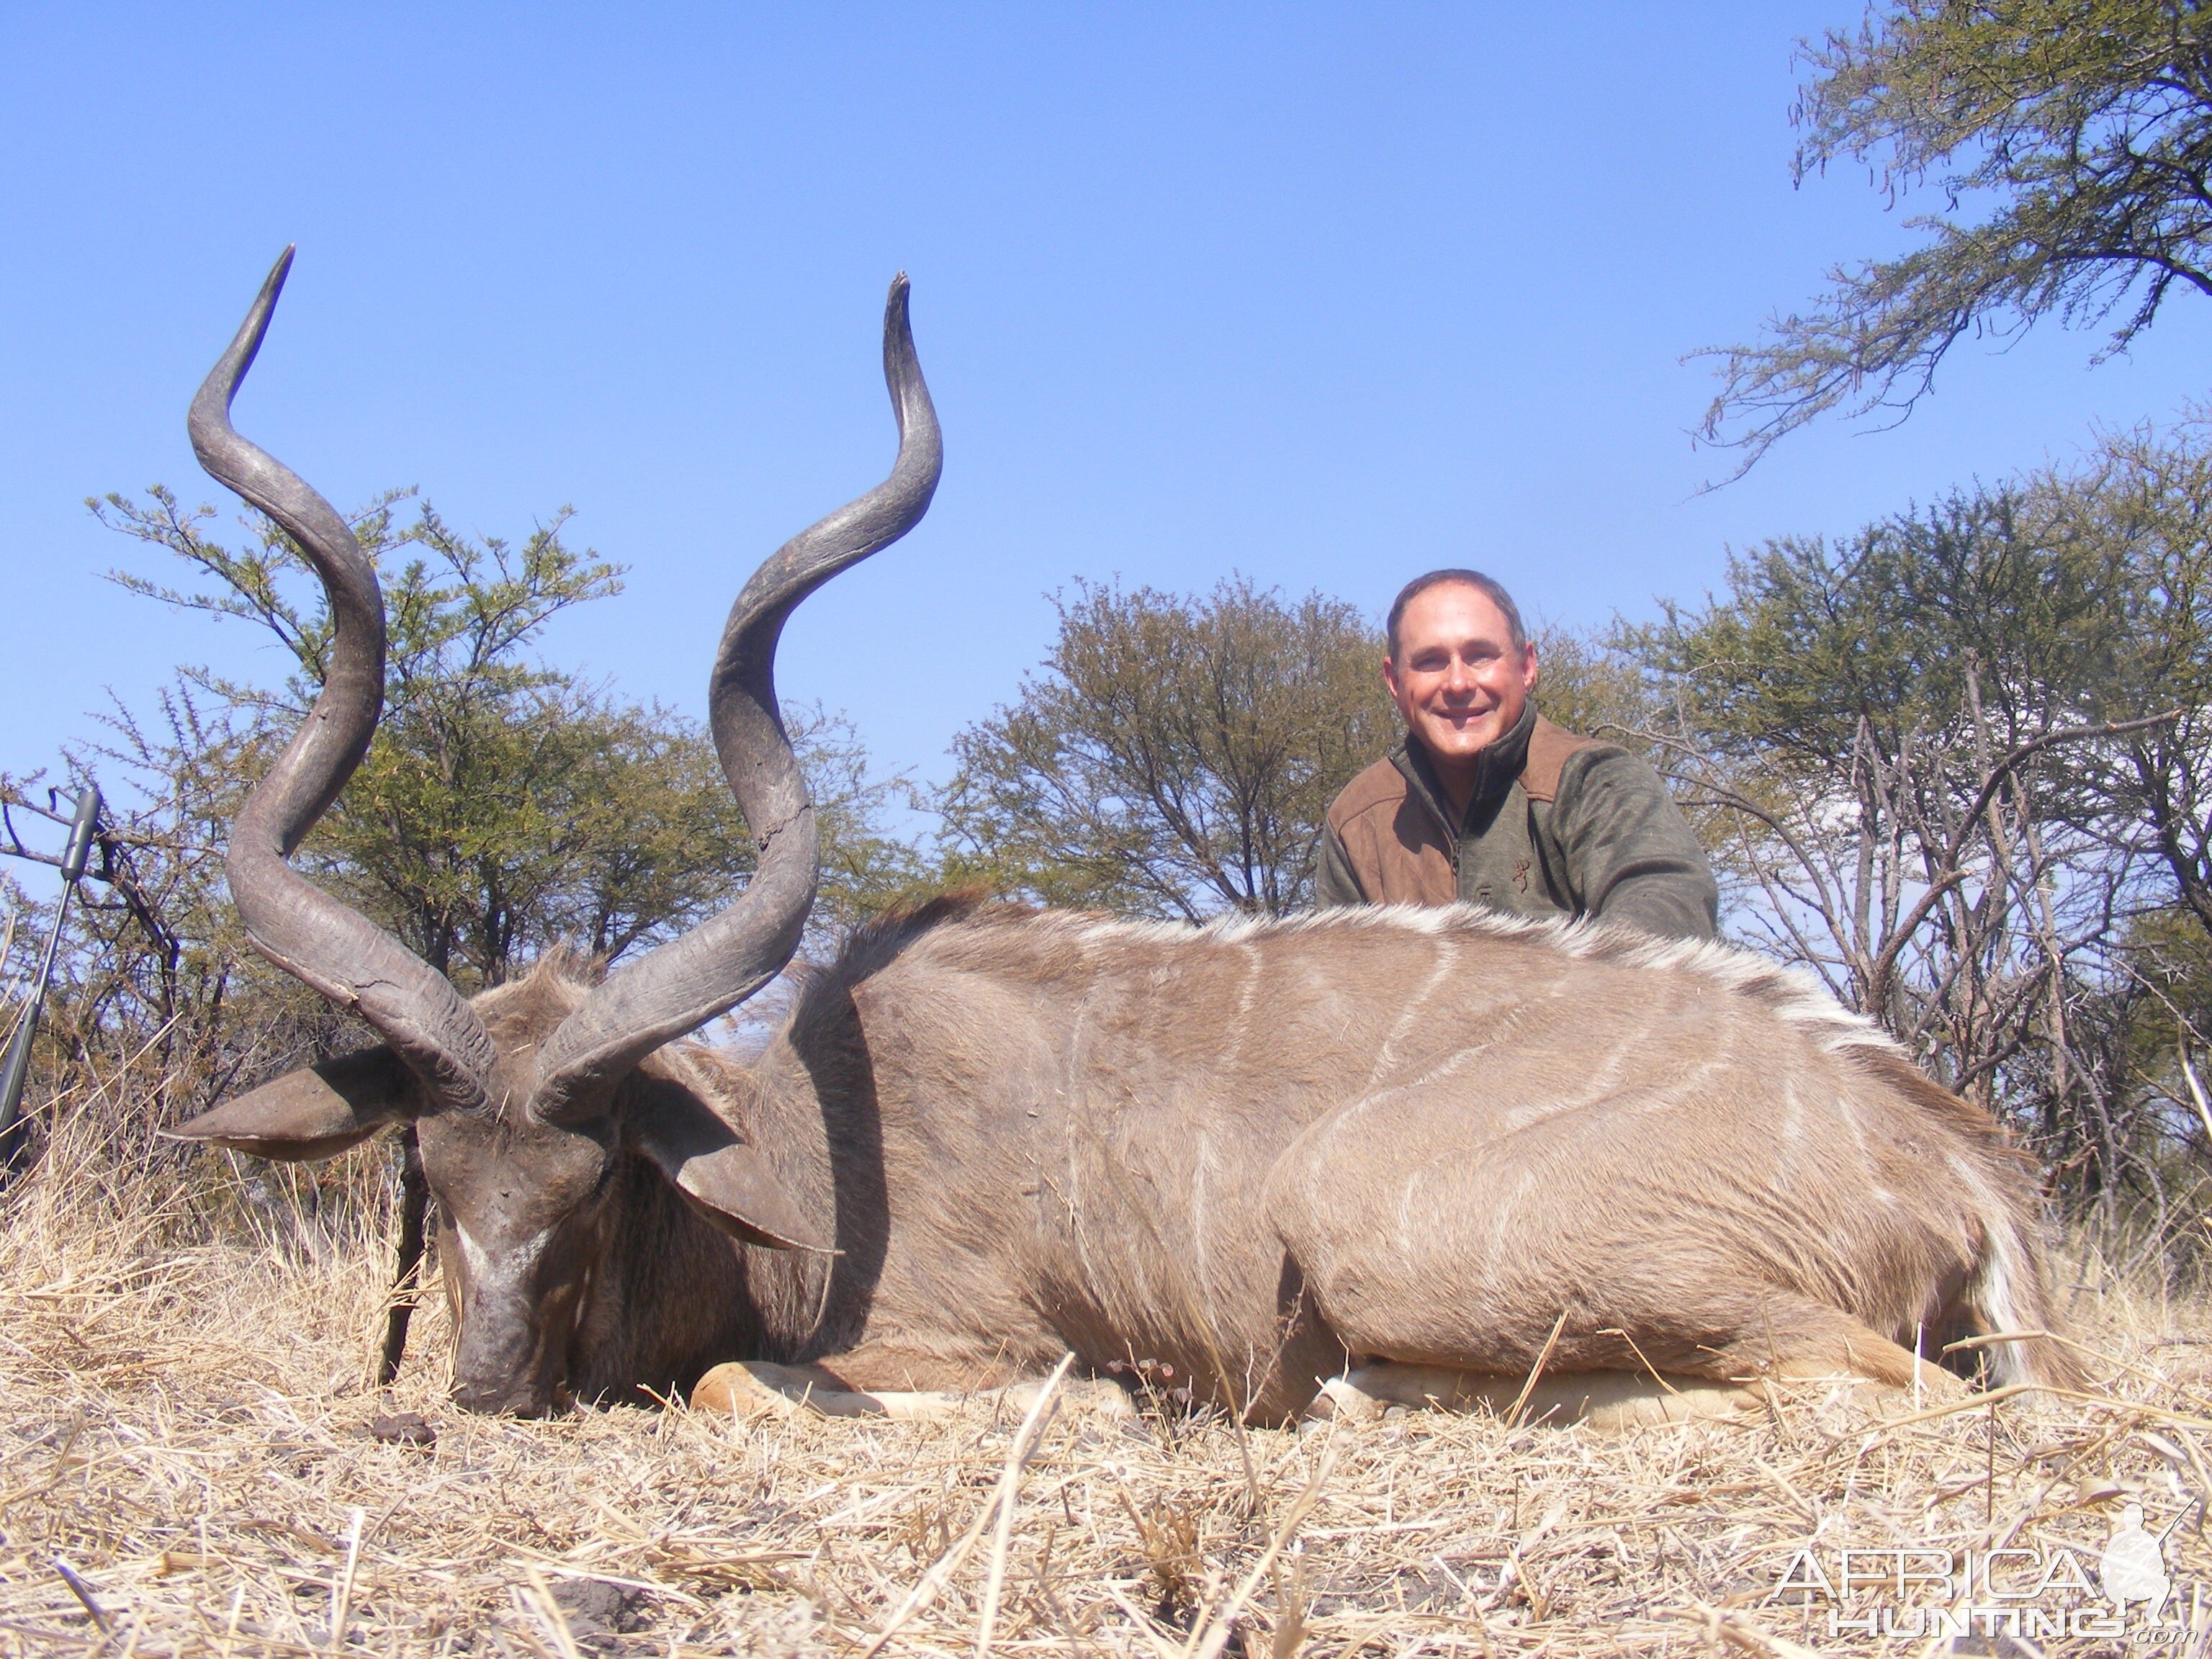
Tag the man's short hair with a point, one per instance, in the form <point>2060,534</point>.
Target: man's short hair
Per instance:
<point>1488,586</point>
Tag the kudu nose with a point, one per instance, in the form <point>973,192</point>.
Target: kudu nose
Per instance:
<point>503,1399</point>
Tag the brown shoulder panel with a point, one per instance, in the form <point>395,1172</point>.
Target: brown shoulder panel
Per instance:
<point>1398,852</point>
<point>1379,785</point>
<point>1549,745</point>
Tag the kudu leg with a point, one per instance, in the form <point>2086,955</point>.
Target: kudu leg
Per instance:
<point>755,1389</point>
<point>1792,1342</point>
<point>1604,1399</point>
<point>1609,1402</point>
<point>1585,1243</point>
<point>414,1210</point>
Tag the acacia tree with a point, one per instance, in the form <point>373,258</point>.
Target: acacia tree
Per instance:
<point>1173,756</point>
<point>2144,505</point>
<point>504,803</point>
<point>1899,738</point>
<point>2079,134</point>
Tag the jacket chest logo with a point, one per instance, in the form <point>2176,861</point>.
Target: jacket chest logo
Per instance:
<point>1520,874</point>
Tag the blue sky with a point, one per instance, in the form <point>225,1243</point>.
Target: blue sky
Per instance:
<point>1324,294</point>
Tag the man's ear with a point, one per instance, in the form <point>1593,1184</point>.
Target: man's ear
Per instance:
<point>314,1112</point>
<point>728,1182</point>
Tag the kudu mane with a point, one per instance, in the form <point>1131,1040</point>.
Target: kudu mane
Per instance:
<point>970,931</point>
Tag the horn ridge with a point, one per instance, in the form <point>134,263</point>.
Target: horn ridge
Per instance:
<point>302,930</point>
<point>679,985</point>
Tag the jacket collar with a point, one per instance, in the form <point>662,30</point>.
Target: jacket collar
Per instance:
<point>1495,769</point>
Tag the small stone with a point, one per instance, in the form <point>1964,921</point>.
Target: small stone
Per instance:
<point>610,1608</point>
<point>403,1429</point>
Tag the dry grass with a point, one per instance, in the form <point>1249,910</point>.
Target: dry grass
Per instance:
<point>188,1428</point>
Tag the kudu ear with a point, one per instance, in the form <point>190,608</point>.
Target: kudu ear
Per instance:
<point>314,1113</point>
<point>726,1180</point>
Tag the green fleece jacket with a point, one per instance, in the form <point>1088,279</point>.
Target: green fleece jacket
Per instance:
<point>1559,826</point>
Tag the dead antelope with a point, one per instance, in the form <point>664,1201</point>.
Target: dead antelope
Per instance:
<point>1421,1154</point>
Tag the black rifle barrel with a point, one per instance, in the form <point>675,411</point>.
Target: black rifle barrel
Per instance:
<point>75,856</point>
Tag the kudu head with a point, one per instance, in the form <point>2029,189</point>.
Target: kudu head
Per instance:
<point>526,1099</point>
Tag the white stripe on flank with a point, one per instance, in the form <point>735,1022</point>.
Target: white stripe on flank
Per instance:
<point>1247,993</point>
<point>1387,1056</point>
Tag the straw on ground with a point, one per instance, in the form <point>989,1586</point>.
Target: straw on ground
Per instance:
<point>188,1426</point>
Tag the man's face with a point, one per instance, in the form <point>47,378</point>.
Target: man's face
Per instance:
<point>1457,677</point>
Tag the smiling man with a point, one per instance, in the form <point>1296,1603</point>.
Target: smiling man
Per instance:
<point>1489,802</point>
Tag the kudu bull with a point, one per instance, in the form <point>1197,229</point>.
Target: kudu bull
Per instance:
<point>1444,1150</point>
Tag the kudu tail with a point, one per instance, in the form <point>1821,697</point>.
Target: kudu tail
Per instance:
<point>2008,1291</point>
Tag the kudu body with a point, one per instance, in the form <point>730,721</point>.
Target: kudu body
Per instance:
<point>1446,1148</point>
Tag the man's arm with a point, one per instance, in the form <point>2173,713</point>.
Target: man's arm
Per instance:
<point>1631,854</point>
<point>1334,883</point>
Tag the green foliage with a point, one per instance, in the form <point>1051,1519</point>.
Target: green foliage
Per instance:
<point>1888,629</point>
<point>1590,687</point>
<point>2145,506</point>
<point>1174,757</point>
<point>503,804</point>
<point>2082,128</point>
